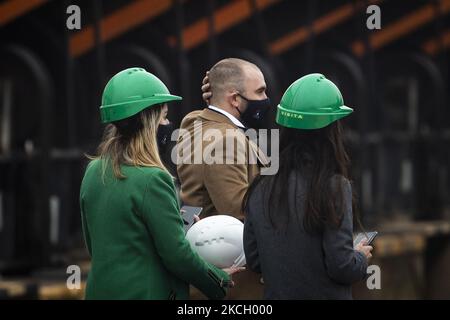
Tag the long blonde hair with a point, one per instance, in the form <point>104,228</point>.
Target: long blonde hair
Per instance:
<point>131,142</point>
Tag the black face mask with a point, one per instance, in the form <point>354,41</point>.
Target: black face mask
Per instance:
<point>255,114</point>
<point>163,136</point>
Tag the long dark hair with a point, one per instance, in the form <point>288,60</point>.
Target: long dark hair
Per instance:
<point>319,156</point>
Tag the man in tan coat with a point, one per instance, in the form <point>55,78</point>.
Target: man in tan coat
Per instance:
<point>219,185</point>
<point>213,175</point>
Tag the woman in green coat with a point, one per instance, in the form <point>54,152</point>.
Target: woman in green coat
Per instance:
<point>130,213</point>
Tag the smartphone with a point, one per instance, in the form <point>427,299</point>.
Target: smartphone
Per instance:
<point>187,213</point>
<point>369,236</point>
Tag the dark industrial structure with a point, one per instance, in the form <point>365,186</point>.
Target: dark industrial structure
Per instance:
<point>396,78</point>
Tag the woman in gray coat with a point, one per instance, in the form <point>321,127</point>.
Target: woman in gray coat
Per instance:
<point>299,224</point>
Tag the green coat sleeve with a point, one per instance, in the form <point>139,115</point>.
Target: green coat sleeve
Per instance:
<point>86,234</point>
<point>160,212</point>
<point>87,237</point>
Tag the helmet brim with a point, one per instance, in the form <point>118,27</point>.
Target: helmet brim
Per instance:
<point>120,111</point>
<point>309,120</point>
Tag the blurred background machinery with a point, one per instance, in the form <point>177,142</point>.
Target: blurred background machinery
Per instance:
<point>397,78</point>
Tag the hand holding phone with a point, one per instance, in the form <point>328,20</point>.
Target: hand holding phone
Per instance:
<point>362,243</point>
<point>188,214</point>
<point>368,236</point>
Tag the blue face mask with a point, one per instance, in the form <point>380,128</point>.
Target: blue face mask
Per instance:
<point>255,114</point>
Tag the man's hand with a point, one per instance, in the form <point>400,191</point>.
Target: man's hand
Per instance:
<point>206,88</point>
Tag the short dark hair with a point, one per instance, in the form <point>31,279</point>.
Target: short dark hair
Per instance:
<point>228,74</point>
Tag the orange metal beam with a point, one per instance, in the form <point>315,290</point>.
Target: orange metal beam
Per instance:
<point>433,46</point>
<point>320,25</point>
<point>224,18</point>
<point>142,10</point>
<point>119,22</point>
<point>401,27</point>
<point>12,9</point>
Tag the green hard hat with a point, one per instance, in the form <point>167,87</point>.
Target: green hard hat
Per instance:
<point>311,102</point>
<point>131,91</point>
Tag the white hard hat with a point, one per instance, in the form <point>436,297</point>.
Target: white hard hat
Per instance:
<point>219,240</point>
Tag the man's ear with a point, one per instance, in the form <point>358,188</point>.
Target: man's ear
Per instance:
<point>232,99</point>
